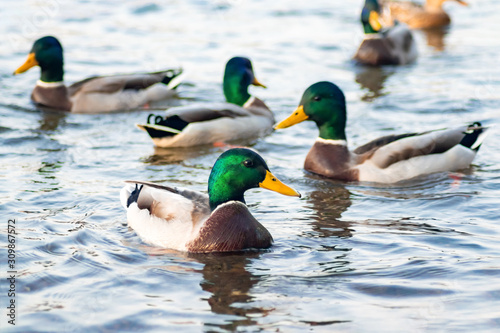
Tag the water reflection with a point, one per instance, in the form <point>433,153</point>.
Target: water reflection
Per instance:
<point>225,276</point>
<point>163,156</point>
<point>435,37</point>
<point>373,79</point>
<point>48,176</point>
<point>50,120</point>
<point>328,205</point>
<point>447,184</point>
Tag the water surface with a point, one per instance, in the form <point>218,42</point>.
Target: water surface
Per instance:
<point>423,255</point>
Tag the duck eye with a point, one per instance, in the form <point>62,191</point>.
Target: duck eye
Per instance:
<point>317,98</point>
<point>248,163</point>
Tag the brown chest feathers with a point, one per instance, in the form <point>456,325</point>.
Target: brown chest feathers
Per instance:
<point>332,161</point>
<point>231,227</point>
<point>52,97</point>
<point>375,52</point>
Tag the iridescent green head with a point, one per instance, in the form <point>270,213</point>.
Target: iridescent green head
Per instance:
<point>47,53</point>
<point>370,17</point>
<point>323,103</point>
<point>238,170</point>
<point>237,77</point>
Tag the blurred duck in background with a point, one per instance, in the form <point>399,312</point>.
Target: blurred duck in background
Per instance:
<point>95,94</point>
<point>393,45</point>
<point>242,116</point>
<point>416,16</point>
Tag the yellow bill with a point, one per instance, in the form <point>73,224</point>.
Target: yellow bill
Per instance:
<point>296,117</point>
<point>257,83</point>
<point>274,184</point>
<point>374,21</point>
<point>30,62</point>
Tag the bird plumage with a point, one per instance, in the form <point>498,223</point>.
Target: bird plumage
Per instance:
<point>191,221</point>
<point>393,45</point>
<point>95,94</point>
<point>240,117</point>
<point>417,16</point>
<point>388,159</point>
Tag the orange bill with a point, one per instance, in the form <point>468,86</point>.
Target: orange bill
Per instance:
<point>30,62</point>
<point>274,184</point>
<point>374,21</point>
<point>257,83</point>
<point>296,117</point>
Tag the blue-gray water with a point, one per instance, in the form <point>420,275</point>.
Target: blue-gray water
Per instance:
<point>421,256</point>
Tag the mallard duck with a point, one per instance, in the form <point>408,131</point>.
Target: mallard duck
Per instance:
<point>241,117</point>
<point>431,15</point>
<point>186,220</point>
<point>95,94</point>
<point>388,159</point>
<point>389,46</point>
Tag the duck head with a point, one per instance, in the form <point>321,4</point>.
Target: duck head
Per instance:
<point>47,53</point>
<point>370,17</point>
<point>237,77</point>
<point>323,103</point>
<point>238,170</point>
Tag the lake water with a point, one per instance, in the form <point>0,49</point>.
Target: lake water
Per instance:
<point>419,256</point>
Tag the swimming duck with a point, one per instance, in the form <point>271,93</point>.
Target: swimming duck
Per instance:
<point>186,220</point>
<point>241,117</point>
<point>431,15</point>
<point>389,46</point>
<point>388,159</point>
<point>95,94</point>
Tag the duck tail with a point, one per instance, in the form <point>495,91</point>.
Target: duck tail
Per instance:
<point>474,136</point>
<point>175,79</point>
<point>134,195</point>
<point>160,127</point>
<point>129,194</point>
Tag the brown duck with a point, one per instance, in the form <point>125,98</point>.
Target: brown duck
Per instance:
<point>430,15</point>
<point>388,159</point>
<point>394,45</point>
<point>191,221</point>
<point>241,117</point>
<point>95,94</point>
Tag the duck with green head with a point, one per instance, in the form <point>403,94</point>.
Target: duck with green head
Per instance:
<point>191,221</point>
<point>241,117</point>
<point>392,45</point>
<point>429,16</point>
<point>387,159</point>
<point>95,94</point>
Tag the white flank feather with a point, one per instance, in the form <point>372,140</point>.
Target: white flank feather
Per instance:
<point>121,100</point>
<point>173,228</point>
<point>221,129</point>
<point>456,158</point>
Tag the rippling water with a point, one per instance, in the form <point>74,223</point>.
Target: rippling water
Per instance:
<point>423,255</point>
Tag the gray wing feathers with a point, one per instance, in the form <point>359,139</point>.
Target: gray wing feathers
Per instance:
<point>114,83</point>
<point>195,113</point>
<point>428,143</point>
<point>382,141</point>
<point>153,185</point>
<point>200,200</point>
